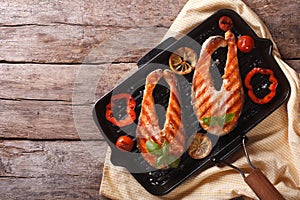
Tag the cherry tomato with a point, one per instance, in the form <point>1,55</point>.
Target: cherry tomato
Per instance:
<point>225,23</point>
<point>124,143</point>
<point>245,43</point>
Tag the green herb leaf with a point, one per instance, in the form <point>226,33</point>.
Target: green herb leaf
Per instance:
<point>160,160</point>
<point>165,149</point>
<point>228,117</point>
<point>206,120</point>
<point>153,148</point>
<point>219,120</point>
<point>213,120</point>
<point>162,154</point>
<point>173,162</point>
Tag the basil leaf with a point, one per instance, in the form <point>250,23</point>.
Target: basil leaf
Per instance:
<point>206,120</point>
<point>210,121</point>
<point>159,161</point>
<point>153,148</point>
<point>173,162</point>
<point>214,121</point>
<point>228,117</point>
<point>219,120</point>
<point>165,149</point>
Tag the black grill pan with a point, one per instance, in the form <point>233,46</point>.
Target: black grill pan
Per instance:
<point>159,182</point>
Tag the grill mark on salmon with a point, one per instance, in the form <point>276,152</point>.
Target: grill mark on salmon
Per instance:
<point>206,109</point>
<point>206,100</point>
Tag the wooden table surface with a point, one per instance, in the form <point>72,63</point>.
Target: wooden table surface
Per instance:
<point>42,47</point>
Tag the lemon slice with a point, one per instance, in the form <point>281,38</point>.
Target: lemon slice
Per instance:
<point>200,146</point>
<point>183,60</point>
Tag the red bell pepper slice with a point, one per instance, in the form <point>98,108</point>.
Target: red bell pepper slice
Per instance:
<point>272,87</point>
<point>130,113</point>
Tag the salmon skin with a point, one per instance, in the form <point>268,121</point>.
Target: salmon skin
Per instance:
<point>148,129</point>
<point>218,111</point>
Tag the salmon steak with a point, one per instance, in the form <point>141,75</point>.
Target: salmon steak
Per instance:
<point>148,129</point>
<point>218,111</point>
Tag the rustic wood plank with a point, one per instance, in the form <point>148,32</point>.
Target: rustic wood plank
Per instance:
<point>282,19</point>
<point>46,120</point>
<point>54,101</point>
<point>51,170</point>
<point>71,42</point>
<point>61,82</point>
<point>122,13</point>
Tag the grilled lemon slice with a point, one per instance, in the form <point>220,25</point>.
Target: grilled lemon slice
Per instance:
<point>200,146</point>
<point>183,60</point>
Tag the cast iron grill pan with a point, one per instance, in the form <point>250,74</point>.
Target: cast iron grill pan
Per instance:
<point>159,182</point>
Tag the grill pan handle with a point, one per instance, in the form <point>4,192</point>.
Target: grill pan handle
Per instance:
<point>259,183</point>
<point>262,187</point>
<point>256,180</point>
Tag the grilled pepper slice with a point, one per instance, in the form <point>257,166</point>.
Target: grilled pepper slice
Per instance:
<point>115,108</point>
<point>271,86</point>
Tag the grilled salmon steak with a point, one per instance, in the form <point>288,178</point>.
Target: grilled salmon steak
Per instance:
<point>148,128</point>
<point>218,111</point>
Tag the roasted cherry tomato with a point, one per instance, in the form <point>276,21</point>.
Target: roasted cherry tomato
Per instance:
<point>225,23</point>
<point>272,85</point>
<point>124,143</point>
<point>245,43</point>
<point>112,108</point>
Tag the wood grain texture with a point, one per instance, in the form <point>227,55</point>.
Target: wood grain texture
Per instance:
<point>122,13</point>
<point>51,169</point>
<point>71,43</point>
<point>66,31</point>
<point>54,101</point>
<point>37,120</point>
<point>60,82</point>
<point>55,34</point>
<point>295,64</point>
<point>282,20</point>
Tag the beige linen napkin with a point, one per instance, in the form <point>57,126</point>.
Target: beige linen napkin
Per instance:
<point>274,144</point>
